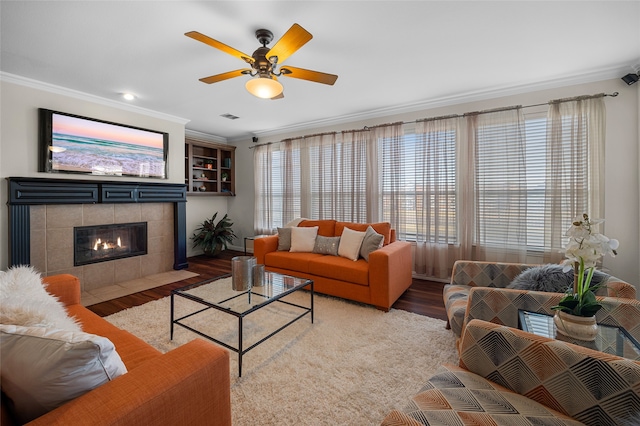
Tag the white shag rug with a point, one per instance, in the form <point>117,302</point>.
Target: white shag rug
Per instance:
<point>352,366</point>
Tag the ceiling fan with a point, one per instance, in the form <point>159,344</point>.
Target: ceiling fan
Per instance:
<point>265,62</point>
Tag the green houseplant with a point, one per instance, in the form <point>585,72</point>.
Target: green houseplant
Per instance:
<point>583,251</point>
<point>213,237</point>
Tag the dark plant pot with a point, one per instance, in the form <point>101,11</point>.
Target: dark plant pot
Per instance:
<point>215,252</point>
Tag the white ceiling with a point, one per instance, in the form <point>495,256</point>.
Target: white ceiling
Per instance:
<point>388,54</point>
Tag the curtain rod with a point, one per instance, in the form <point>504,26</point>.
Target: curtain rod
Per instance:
<point>551,102</point>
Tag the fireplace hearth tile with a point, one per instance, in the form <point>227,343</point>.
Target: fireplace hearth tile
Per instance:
<point>89,299</point>
<point>97,214</point>
<point>98,275</point>
<point>38,218</point>
<point>128,269</point>
<point>64,216</point>
<point>134,286</point>
<point>124,213</point>
<point>153,264</point>
<point>152,211</point>
<point>59,247</point>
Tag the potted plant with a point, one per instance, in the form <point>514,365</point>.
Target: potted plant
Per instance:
<point>575,313</point>
<point>213,237</point>
<point>225,176</point>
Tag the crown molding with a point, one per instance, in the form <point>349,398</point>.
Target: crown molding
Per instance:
<point>59,90</point>
<point>204,136</point>
<point>496,92</point>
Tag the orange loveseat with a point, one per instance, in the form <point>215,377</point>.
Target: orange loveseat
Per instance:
<point>379,282</point>
<point>186,386</point>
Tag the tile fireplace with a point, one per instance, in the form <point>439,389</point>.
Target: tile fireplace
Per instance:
<point>45,214</point>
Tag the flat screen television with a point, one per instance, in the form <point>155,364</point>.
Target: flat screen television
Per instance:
<point>74,144</point>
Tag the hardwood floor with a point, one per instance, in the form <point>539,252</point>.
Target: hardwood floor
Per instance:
<point>423,297</point>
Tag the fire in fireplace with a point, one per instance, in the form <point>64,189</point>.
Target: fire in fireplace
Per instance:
<point>100,243</point>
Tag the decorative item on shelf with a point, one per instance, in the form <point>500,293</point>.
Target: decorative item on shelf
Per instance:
<point>575,313</point>
<point>224,176</point>
<point>227,163</point>
<point>203,176</point>
<point>213,237</point>
<point>209,164</point>
<point>202,188</point>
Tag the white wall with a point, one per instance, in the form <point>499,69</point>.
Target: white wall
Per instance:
<point>622,198</point>
<point>19,143</point>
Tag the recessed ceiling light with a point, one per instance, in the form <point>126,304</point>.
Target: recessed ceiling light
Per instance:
<point>128,96</point>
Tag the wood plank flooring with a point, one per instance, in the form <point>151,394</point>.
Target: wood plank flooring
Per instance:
<point>423,297</point>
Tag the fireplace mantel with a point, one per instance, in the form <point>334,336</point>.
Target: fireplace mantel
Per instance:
<point>25,192</point>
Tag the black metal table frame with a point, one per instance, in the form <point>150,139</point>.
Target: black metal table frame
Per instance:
<point>239,350</point>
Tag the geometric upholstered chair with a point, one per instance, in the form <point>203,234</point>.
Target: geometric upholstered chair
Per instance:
<point>477,291</point>
<point>507,376</point>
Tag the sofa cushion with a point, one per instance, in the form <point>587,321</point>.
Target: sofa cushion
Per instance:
<point>341,269</point>
<point>24,301</point>
<point>372,241</point>
<point>326,227</point>
<point>292,261</point>
<point>455,396</point>
<point>132,350</point>
<point>551,278</point>
<point>383,228</point>
<point>350,243</point>
<point>43,368</point>
<point>303,239</point>
<point>327,245</point>
<point>284,239</point>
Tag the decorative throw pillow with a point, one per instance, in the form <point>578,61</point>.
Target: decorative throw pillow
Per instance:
<point>550,278</point>
<point>303,239</point>
<point>350,243</point>
<point>327,245</point>
<point>43,368</point>
<point>284,239</point>
<point>371,241</point>
<point>25,301</point>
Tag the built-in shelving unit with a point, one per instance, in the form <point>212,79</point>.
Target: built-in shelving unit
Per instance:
<point>209,168</point>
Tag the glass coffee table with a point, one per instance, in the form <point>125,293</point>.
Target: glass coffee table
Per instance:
<point>610,339</point>
<point>217,294</point>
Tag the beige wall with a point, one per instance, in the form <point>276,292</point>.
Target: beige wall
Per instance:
<point>18,155</point>
<point>622,198</point>
<point>19,105</point>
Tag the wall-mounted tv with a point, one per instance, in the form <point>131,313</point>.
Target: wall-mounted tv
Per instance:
<point>74,144</point>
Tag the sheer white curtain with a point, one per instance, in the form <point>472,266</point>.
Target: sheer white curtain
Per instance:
<point>498,142</point>
<point>390,181</point>
<point>264,194</point>
<point>575,167</point>
<point>278,184</point>
<point>434,216</point>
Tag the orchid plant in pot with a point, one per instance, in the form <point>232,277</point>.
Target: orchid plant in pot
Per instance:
<point>575,313</point>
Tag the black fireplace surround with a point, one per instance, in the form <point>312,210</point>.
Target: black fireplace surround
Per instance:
<point>25,192</point>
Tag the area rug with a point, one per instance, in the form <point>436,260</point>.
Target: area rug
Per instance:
<point>352,366</point>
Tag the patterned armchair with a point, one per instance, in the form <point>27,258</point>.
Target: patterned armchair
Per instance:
<point>477,290</point>
<point>510,377</point>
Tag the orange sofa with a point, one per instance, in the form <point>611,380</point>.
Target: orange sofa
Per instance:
<point>189,385</point>
<point>378,282</point>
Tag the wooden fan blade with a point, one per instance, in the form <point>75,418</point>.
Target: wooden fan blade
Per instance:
<point>301,73</point>
<point>225,76</point>
<point>292,40</point>
<point>280,96</point>
<point>219,45</point>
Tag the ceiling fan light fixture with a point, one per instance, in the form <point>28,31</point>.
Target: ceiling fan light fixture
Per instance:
<point>264,87</point>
